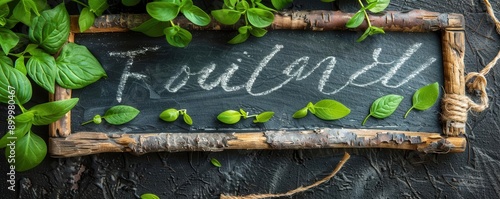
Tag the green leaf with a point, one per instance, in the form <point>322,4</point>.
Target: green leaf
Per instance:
<point>97,119</point>
<point>169,115</point>
<point>372,30</point>
<point>22,13</point>
<point>42,69</point>
<point>226,16</point>
<point>163,11</point>
<point>310,107</point>
<point>300,113</point>
<point>229,117</point>
<point>4,12</point>
<point>380,5</point>
<point>356,20</point>
<point>77,67</point>
<point>51,29</point>
<point>425,97</point>
<point>364,35</point>
<point>177,36</point>
<point>8,40</point>
<point>215,162</point>
<point>49,112</point>
<point>230,3</point>
<point>196,15</point>
<point>130,2</point>
<point>240,38</point>
<point>327,1</point>
<point>244,114</point>
<point>149,196</point>
<point>30,151</point>
<point>13,83</point>
<point>262,6</point>
<point>263,117</point>
<point>86,19</point>
<point>280,4</point>
<point>152,27</point>
<point>19,65</point>
<point>98,6</point>
<point>258,32</point>
<point>187,119</point>
<point>120,114</point>
<point>328,109</point>
<point>384,106</point>
<point>22,125</point>
<point>259,17</point>
<point>242,6</point>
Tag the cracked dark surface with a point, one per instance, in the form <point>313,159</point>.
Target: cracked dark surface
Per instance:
<point>370,173</point>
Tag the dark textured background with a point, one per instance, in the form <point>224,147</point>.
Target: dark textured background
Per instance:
<point>370,173</point>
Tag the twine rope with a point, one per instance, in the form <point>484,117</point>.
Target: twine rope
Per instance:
<point>297,190</point>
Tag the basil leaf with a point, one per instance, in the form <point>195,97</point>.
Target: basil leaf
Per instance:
<point>259,17</point>
<point>263,117</point>
<point>280,4</point>
<point>384,106</point>
<point>169,115</point>
<point>242,6</point>
<point>356,20</point>
<point>187,119</point>
<point>8,40</point>
<point>98,6</point>
<point>77,67</point>
<point>300,113</point>
<point>20,66</point>
<point>240,38</point>
<point>50,112</point>
<point>380,5</point>
<point>425,97</point>
<point>258,32</point>
<point>149,195</point>
<point>120,114</point>
<point>4,12</point>
<point>163,11</point>
<point>22,125</point>
<point>196,15</point>
<point>86,19</point>
<point>226,16</point>
<point>152,27</point>
<point>13,83</point>
<point>30,151</point>
<point>230,3</point>
<point>130,2</point>
<point>328,109</point>
<point>22,13</point>
<point>51,29</point>
<point>177,36</point>
<point>229,117</point>
<point>42,69</point>
<point>215,162</point>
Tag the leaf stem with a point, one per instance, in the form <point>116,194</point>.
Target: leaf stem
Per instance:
<point>79,2</point>
<point>366,14</point>
<point>406,114</point>
<point>172,23</point>
<point>88,122</point>
<point>366,118</point>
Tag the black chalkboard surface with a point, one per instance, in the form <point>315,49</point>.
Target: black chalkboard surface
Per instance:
<point>280,72</point>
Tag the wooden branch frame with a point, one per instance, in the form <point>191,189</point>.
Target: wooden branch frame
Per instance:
<point>64,143</point>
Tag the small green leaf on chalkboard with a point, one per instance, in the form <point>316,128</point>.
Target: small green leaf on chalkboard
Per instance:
<point>300,113</point>
<point>356,20</point>
<point>328,109</point>
<point>425,97</point>
<point>120,114</point>
<point>149,196</point>
<point>229,117</point>
<point>187,119</point>
<point>215,162</point>
<point>244,113</point>
<point>384,106</point>
<point>263,117</point>
<point>97,119</point>
<point>169,115</point>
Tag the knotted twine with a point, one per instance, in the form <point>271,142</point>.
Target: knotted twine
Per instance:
<point>455,106</point>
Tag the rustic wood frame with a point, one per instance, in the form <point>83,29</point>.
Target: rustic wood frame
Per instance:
<point>63,143</point>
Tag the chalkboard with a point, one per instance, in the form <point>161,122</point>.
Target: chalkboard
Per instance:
<point>280,72</point>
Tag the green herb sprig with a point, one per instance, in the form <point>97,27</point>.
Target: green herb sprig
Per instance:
<point>116,115</point>
<point>171,114</point>
<point>94,9</point>
<point>357,19</point>
<point>424,98</point>
<point>233,117</point>
<point>384,106</point>
<point>326,109</point>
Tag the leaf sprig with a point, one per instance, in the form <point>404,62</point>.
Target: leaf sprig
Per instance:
<point>171,114</point>
<point>357,19</point>
<point>233,117</point>
<point>326,109</point>
<point>116,115</point>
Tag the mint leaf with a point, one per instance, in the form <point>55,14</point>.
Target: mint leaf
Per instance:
<point>425,97</point>
<point>328,109</point>
<point>49,112</point>
<point>120,114</point>
<point>42,69</point>
<point>51,29</point>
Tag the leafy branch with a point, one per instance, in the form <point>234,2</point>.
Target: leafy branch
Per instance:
<point>357,19</point>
